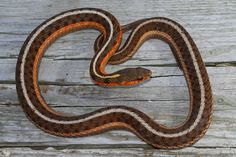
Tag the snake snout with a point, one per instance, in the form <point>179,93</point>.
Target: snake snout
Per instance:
<point>143,74</point>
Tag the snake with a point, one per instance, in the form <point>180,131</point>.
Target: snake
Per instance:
<point>108,50</point>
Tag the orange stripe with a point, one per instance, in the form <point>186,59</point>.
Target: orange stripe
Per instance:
<point>110,53</point>
<point>46,43</point>
<point>100,128</point>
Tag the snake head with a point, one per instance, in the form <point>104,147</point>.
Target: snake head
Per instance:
<point>133,76</point>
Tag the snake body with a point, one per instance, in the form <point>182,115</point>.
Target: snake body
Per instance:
<point>108,50</point>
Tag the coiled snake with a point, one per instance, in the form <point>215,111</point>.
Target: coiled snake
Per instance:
<point>108,51</point>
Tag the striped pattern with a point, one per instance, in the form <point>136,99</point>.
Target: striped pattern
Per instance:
<point>168,133</point>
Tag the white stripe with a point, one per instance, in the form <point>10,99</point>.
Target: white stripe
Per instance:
<point>138,118</point>
<point>132,35</point>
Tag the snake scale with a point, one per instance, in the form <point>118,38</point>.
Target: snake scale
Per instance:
<point>108,51</point>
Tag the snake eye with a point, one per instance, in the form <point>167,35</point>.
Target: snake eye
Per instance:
<point>140,78</point>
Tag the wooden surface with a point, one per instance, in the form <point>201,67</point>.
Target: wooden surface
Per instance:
<point>66,84</point>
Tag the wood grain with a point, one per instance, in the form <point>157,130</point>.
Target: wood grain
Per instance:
<point>117,152</point>
<point>66,84</point>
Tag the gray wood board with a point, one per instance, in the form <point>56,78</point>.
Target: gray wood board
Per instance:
<point>66,84</point>
<point>117,152</point>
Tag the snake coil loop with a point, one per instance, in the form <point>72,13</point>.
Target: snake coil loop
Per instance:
<point>108,50</point>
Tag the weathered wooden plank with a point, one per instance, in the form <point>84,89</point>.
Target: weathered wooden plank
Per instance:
<point>167,84</point>
<point>127,152</point>
<point>77,71</point>
<point>17,130</point>
<point>213,26</point>
<point>162,100</point>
